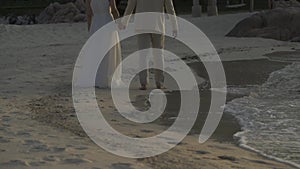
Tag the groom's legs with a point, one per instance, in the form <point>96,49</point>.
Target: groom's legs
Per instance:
<point>158,42</point>
<point>144,42</point>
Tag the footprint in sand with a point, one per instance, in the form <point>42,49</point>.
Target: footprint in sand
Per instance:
<point>229,158</point>
<point>81,148</point>
<point>23,134</point>
<point>39,148</point>
<point>58,149</point>
<point>37,163</point>
<point>2,128</point>
<point>5,131</point>
<point>5,121</point>
<point>146,131</point>
<point>5,125</point>
<point>201,152</point>
<point>4,140</point>
<point>14,163</point>
<point>31,142</point>
<point>121,166</point>
<point>5,118</point>
<point>75,161</point>
<point>36,146</point>
<point>16,113</point>
<point>51,158</point>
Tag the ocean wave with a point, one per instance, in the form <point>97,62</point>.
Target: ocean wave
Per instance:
<point>270,117</point>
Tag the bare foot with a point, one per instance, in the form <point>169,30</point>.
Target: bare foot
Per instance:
<point>159,86</point>
<point>143,87</point>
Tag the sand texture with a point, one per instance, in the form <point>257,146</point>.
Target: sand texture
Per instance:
<point>38,125</point>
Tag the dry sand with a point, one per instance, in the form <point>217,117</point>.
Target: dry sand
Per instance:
<point>36,71</point>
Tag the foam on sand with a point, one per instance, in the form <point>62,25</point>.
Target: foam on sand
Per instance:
<point>270,118</point>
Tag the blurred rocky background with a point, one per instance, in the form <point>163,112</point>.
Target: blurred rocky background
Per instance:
<point>281,23</point>
<point>69,12</point>
<point>23,12</point>
<point>34,11</point>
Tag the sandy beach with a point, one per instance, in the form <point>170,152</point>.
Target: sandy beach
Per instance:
<point>39,128</point>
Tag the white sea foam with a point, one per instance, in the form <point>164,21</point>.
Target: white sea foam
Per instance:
<point>270,118</point>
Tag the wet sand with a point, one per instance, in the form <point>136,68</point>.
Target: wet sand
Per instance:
<point>238,74</point>
<point>57,111</point>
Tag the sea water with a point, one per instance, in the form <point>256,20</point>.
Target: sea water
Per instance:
<point>270,117</point>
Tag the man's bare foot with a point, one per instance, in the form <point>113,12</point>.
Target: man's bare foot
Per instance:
<point>159,86</point>
<point>143,87</point>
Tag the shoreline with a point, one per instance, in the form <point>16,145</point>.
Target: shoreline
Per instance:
<point>224,134</point>
<point>290,58</point>
<point>277,63</point>
<point>249,148</point>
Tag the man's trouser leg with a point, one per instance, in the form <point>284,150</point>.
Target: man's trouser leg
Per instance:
<point>144,42</point>
<point>158,43</point>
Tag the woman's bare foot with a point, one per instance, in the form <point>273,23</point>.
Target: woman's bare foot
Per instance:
<point>143,87</point>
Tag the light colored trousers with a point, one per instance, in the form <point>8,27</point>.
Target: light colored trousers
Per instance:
<point>150,40</point>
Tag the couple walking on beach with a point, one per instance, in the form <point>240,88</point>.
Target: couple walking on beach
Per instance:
<point>101,12</point>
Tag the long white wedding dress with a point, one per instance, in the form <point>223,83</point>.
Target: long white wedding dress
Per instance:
<point>101,16</point>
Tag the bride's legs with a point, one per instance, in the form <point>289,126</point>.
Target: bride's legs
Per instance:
<point>102,74</point>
